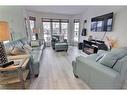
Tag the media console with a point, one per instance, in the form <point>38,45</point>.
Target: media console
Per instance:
<point>93,46</point>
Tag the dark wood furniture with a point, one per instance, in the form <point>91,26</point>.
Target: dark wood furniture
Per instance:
<point>93,46</point>
<point>80,45</point>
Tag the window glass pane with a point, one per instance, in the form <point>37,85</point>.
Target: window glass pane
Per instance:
<point>76,27</point>
<point>56,27</point>
<point>64,29</point>
<point>32,26</point>
<point>47,31</point>
<point>76,31</point>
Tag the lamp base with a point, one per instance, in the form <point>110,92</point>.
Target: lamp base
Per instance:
<point>3,56</point>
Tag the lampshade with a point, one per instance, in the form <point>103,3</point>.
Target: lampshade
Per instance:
<point>4,31</point>
<point>35,30</point>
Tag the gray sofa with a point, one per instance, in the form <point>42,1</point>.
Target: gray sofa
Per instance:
<point>107,72</point>
<point>35,54</point>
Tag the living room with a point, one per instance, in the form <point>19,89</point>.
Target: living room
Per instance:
<point>54,64</point>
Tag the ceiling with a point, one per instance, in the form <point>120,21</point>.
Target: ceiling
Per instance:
<point>70,10</point>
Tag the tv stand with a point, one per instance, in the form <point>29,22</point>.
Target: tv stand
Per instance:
<point>93,46</point>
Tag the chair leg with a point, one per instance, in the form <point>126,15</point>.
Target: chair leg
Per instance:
<point>76,76</point>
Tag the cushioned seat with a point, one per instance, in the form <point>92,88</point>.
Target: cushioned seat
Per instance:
<point>61,46</point>
<point>92,57</point>
<point>36,54</point>
<point>38,48</point>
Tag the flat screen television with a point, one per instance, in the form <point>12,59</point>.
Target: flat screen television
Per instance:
<point>102,23</point>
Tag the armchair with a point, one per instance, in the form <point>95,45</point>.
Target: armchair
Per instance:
<point>58,45</point>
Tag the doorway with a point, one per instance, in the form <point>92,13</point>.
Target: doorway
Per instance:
<point>76,31</point>
<point>47,33</point>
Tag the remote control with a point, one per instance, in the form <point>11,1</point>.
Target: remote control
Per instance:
<point>6,64</point>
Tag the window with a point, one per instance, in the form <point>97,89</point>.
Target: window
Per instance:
<point>32,26</point>
<point>26,26</point>
<point>64,29</point>
<point>47,31</point>
<point>56,26</point>
<point>76,29</point>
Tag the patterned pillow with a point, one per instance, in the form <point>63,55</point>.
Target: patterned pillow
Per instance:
<point>27,48</point>
<point>17,51</point>
<point>8,50</point>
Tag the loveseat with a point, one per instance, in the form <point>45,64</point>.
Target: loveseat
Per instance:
<point>35,54</point>
<point>104,70</point>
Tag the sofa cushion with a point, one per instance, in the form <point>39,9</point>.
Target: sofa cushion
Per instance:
<point>100,54</point>
<point>36,55</point>
<point>38,48</point>
<point>92,57</point>
<point>119,64</point>
<point>27,48</point>
<point>17,51</point>
<point>110,58</point>
<point>35,43</point>
<point>8,50</point>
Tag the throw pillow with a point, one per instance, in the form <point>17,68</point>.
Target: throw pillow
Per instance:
<point>110,58</point>
<point>100,54</point>
<point>27,48</point>
<point>120,64</point>
<point>9,49</point>
<point>99,57</point>
<point>35,43</point>
<point>17,51</point>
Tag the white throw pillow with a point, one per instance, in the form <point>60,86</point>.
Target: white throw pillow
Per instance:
<point>35,43</point>
<point>27,48</point>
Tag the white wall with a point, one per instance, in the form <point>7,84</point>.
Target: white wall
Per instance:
<point>40,15</point>
<point>15,17</point>
<point>119,24</point>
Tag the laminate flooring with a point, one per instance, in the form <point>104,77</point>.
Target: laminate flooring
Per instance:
<point>56,70</point>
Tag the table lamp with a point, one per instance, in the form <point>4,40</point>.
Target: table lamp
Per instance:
<point>4,35</point>
<point>36,31</point>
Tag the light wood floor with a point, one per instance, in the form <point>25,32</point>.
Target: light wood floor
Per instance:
<point>56,71</point>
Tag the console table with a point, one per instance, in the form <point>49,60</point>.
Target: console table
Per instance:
<point>93,46</point>
<point>14,78</point>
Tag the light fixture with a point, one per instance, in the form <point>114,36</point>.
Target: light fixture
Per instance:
<point>36,31</point>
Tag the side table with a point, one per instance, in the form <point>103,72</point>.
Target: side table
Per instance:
<point>22,72</point>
